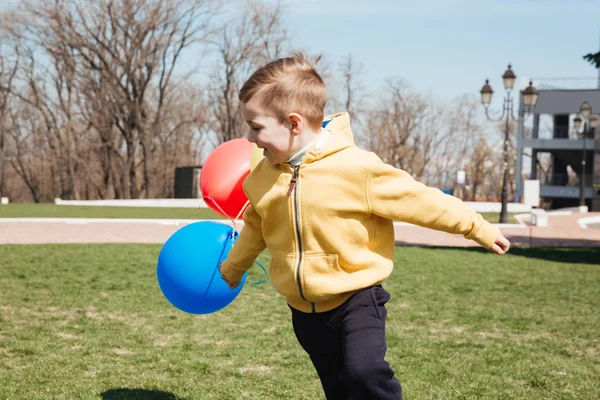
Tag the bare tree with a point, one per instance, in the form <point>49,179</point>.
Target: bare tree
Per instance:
<point>462,132</point>
<point>476,169</point>
<point>352,85</point>
<point>255,37</point>
<point>430,139</point>
<point>94,106</point>
<point>50,89</point>
<point>108,143</point>
<point>8,70</point>
<point>27,131</point>
<point>131,49</point>
<point>394,122</point>
<point>354,94</point>
<point>492,184</point>
<point>182,136</point>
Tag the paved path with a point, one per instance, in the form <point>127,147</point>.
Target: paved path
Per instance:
<point>562,230</point>
<point>73,230</point>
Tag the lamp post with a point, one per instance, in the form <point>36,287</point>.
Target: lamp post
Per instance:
<point>590,121</point>
<point>530,97</point>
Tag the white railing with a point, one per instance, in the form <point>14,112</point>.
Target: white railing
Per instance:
<point>196,203</point>
<point>173,203</point>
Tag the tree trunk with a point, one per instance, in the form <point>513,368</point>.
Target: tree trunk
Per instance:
<point>1,156</point>
<point>105,165</point>
<point>28,180</point>
<point>146,173</point>
<point>133,188</point>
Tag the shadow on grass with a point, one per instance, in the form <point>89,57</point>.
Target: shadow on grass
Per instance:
<point>572,255</point>
<point>138,394</point>
<point>527,241</point>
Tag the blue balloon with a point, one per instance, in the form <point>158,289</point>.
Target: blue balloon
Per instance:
<point>188,267</point>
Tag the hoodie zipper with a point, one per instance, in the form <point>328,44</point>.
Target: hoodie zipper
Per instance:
<point>294,183</point>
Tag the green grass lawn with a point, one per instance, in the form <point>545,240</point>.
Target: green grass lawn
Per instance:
<point>46,210</point>
<point>495,217</point>
<point>89,322</point>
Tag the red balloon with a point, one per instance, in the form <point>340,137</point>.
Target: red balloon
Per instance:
<point>222,177</point>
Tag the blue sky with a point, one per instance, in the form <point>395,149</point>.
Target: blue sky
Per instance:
<point>445,47</point>
<point>449,47</point>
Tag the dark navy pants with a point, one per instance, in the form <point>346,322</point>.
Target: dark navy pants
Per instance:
<point>347,347</point>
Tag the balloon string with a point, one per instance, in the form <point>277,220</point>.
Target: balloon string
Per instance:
<point>232,238</point>
<point>209,198</point>
<point>222,257</point>
<point>264,270</point>
<point>241,212</point>
<point>233,221</point>
<point>243,209</point>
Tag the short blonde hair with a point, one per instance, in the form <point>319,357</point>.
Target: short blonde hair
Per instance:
<point>289,85</point>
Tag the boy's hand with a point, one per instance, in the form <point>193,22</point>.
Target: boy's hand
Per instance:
<point>231,284</point>
<point>501,245</point>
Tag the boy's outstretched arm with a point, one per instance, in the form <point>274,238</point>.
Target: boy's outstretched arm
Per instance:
<point>247,247</point>
<point>392,193</point>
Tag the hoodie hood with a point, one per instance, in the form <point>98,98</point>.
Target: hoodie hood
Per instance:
<point>335,136</point>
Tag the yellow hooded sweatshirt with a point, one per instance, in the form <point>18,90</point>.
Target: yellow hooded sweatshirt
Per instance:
<point>328,223</point>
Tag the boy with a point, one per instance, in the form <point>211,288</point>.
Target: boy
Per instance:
<point>325,210</point>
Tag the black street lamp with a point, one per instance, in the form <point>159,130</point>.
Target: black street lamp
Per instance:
<point>590,123</point>
<point>530,97</point>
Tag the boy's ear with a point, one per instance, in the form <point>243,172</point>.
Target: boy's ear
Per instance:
<point>296,123</point>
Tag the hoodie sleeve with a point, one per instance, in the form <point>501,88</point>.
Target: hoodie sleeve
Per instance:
<point>246,248</point>
<point>392,193</point>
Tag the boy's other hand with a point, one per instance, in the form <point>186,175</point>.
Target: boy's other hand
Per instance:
<point>231,284</point>
<point>501,245</point>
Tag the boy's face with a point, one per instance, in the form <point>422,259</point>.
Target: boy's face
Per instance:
<point>276,139</point>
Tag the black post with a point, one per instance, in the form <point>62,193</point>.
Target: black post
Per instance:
<point>504,193</point>
<point>582,180</point>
